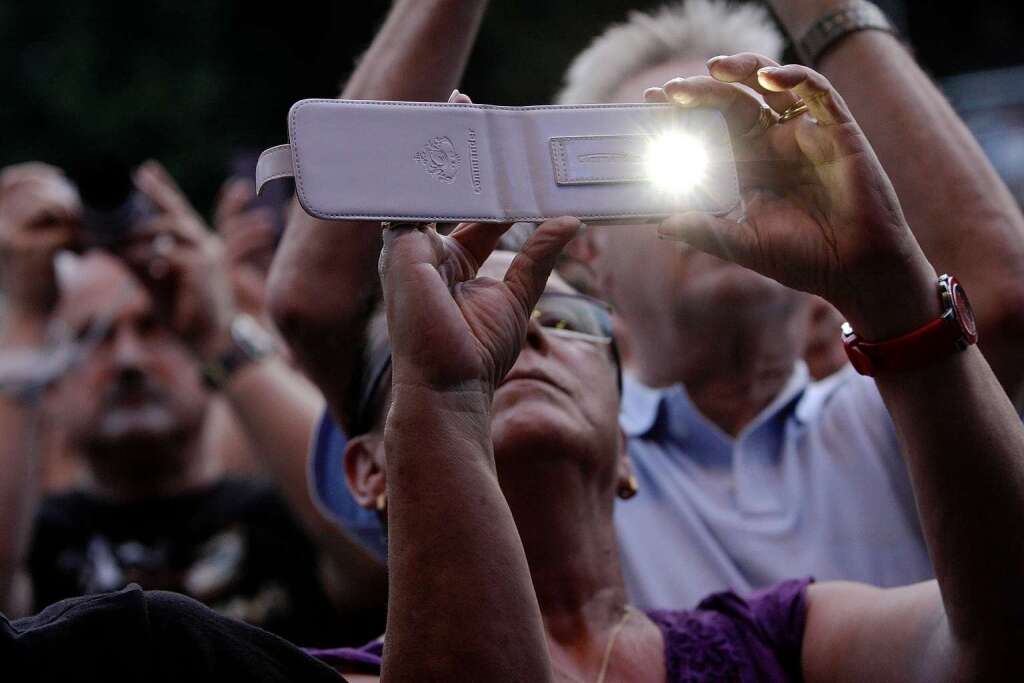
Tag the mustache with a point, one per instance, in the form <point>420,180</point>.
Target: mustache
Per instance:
<point>132,385</point>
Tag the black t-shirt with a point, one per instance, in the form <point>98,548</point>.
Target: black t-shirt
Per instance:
<point>233,546</point>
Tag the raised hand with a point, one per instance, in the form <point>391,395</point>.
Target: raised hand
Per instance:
<point>183,264</point>
<point>451,330</point>
<point>39,215</point>
<point>249,235</point>
<point>820,212</point>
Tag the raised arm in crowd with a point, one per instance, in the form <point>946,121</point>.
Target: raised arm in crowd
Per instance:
<point>961,212</point>
<point>134,328</point>
<point>827,222</point>
<point>323,283</point>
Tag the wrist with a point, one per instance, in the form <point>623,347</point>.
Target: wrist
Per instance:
<point>902,304</point>
<point>242,343</point>
<point>23,330</point>
<point>797,16</point>
<point>214,345</point>
<point>424,424</point>
<point>466,407</point>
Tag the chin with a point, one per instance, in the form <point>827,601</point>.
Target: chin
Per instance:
<point>535,428</point>
<point>730,285</point>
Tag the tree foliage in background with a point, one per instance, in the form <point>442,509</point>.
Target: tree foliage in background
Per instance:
<point>94,85</point>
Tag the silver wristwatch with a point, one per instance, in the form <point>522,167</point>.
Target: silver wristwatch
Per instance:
<point>249,343</point>
<point>857,15</point>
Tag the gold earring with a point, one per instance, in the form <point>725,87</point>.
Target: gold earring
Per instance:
<point>382,502</point>
<point>628,488</point>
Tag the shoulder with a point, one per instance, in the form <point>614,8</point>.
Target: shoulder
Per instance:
<point>68,510</point>
<point>849,407</point>
<point>728,635</point>
<point>251,502</point>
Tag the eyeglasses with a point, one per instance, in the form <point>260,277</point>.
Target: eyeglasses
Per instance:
<point>561,314</point>
<point>574,316</point>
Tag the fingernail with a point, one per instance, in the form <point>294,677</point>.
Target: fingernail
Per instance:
<point>668,229</point>
<point>455,93</point>
<point>715,59</point>
<point>682,97</point>
<point>768,70</point>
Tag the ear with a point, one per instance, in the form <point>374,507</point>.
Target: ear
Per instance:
<point>364,470</point>
<point>626,481</point>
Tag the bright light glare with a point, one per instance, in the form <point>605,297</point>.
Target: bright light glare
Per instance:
<point>676,162</point>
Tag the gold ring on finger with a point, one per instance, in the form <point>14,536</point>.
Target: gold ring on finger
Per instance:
<point>765,120</point>
<point>792,111</point>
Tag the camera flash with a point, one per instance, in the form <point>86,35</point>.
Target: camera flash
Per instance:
<point>676,162</point>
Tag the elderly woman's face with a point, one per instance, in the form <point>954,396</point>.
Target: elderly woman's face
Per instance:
<point>560,396</point>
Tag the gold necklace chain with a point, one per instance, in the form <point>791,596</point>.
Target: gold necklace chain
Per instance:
<point>626,613</point>
<point>606,658</point>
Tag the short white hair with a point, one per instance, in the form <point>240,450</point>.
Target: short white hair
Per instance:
<point>693,30</point>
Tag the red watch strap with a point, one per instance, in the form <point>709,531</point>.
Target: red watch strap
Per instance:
<point>920,348</point>
<point>951,332</point>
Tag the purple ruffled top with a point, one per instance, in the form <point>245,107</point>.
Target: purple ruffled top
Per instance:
<point>754,638</point>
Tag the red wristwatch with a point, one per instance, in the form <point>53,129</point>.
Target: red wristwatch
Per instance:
<point>950,333</point>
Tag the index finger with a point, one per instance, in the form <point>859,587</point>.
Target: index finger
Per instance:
<point>741,108</point>
<point>153,180</point>
<point>479,239</point>
<point>743,69</point>
<point>528,273</point>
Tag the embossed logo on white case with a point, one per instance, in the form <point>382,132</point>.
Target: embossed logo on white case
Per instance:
<point>440,159</point>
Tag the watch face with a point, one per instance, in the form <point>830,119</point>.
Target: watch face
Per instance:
<point>964,312</point>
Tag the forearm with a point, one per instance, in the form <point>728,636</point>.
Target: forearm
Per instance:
<point>19,485</point>
<point>462,605</point>
<point>278,410</point>
<point>325,273</point>
<point>965,450</point>
<point>962,214</point>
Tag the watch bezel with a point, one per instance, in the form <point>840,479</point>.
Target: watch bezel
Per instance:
<point>958,308</point>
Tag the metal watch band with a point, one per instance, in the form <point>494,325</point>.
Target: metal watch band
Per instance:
<point>249,343</point>
<point>857,15</point>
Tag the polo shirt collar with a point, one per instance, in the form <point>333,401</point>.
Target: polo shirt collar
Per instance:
<point>643,405</point>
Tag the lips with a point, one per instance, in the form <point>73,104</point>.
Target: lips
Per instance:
<point>515,375</point>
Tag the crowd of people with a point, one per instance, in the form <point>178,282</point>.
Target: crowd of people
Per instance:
<point>549,452</point>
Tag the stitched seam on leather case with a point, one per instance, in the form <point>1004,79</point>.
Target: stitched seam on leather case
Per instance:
<point>283,174</point>
<point>562,144</point>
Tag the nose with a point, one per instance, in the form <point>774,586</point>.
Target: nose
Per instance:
<point>536,339</point>
<point>129,351</point>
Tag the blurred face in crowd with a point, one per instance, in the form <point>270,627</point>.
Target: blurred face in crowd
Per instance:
<point>560,401</point>
<point>653,280</point>
<point>136,384</point>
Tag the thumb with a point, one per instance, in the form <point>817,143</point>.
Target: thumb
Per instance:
<point>722,237</point>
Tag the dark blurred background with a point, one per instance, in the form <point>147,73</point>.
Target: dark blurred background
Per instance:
<point>86,85</point>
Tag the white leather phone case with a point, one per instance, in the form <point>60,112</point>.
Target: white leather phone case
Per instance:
<point>418,161</point>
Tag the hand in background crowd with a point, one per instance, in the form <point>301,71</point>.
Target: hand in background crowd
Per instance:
<point>184,264</point>
<point>250,234</point>
<point>39,216</point>
<point>821,214</point>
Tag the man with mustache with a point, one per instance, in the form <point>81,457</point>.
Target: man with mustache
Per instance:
<point>142,337</point>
